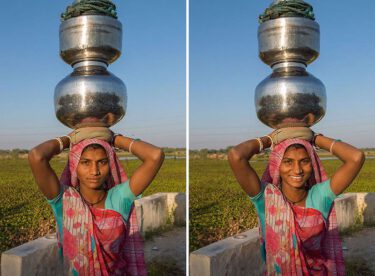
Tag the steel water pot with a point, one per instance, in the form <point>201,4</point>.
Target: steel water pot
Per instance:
<point>290,96</point>
<point>90,96</point>
<point>292,39</point>
<point>90,37</point>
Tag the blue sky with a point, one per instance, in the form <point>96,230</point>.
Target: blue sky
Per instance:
<point>225,69</point>
<point>152,66</point>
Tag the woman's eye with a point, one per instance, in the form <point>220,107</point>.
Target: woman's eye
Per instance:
<point>287,162</point>
<point>104,162</point>
<point>84,162</point>
<point>306,161</point>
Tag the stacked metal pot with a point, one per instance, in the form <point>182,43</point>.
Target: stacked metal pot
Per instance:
<point>90,95</point>
<point>290,96</point>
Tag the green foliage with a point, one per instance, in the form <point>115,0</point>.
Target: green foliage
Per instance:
<point>171,177</point>
<point>356,267</point>
<point>219,208</point>
<point>164,268</point>
<point>25,214</point>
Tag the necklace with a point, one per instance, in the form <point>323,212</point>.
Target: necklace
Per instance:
<point>295,202</point>
<point>291,201</point>
<point>93,203</point>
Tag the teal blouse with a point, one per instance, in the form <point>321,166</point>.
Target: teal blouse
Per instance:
<point>120,199</point>
<point>320,197</point>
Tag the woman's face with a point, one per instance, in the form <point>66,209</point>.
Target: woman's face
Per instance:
<point>295,168</point>
<point>93,168</point>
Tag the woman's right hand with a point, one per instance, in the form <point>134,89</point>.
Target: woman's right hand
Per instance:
<point>282,134</point>
<point>102,133</point>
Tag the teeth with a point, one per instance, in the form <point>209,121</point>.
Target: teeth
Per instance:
<point>296,177</point>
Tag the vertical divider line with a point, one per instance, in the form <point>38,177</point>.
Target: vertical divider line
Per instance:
<point>187,133</point>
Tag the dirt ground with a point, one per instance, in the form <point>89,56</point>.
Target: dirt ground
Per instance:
<point>168,249</point>
<point>359,252</point>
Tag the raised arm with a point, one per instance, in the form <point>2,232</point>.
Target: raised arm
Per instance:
<point>152,158</point>
<point>44,175</point>
<point>351,157</point>
<point>240,155</point>
<point>239,158</point>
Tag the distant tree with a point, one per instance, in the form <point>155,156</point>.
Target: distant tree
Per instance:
<point>228,148</point>
<point>203,153</point>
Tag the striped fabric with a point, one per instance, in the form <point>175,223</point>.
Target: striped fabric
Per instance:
<point>98,241</point>
<point>298,240</point>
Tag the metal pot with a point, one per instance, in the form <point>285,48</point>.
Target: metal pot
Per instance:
<point>290,96</point>
<point>90,96</point>
<point>293,39</point>
<point>90,37</point>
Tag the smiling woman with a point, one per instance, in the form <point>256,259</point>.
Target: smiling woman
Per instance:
<point>295,170</point>
<point>294,199</point>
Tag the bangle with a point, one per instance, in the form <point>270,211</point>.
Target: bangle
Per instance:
<point>131,144</point>
<point>333,143</point>
<point>271,147</point>
<point>58,139</point>
<point>70,140</point>
<point>260,144</point>
<point>114,137</point>
<point>313,141</point>
<point>330,148</point>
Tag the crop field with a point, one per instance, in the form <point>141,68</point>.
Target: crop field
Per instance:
<point>25,214</point>
<point>219,208</point>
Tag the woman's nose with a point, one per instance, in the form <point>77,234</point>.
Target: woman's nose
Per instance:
<point>297,168</point>
<point>94,170</point>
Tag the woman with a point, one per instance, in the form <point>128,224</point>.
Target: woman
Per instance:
<point>294,199</point>
<point>92,202</point>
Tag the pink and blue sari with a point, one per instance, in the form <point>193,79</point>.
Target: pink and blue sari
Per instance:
<point>98,241</point>
<point>299,241</point>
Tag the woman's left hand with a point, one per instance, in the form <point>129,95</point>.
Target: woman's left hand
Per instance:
<point>102,133</point>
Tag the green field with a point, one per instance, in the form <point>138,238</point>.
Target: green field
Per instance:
<point>25,214</point>
<point>219,208</point>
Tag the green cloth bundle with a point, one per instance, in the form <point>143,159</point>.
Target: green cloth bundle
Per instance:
<point>287,8</point>
<point>90,7</point>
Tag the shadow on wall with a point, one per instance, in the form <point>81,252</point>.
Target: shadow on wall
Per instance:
<point>178,211</point>
<point>369,210</point>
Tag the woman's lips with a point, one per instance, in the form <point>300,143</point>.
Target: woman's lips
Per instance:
<point>297,178</point>
<point>93,179</point>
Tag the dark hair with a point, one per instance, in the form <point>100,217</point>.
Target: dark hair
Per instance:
<point>296,146</point>
<point>94,146</point>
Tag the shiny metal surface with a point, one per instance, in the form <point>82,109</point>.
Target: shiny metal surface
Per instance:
<point>289,39</point>
<point>90,96</point>
<point>290,96</point>
<point>90,37</point>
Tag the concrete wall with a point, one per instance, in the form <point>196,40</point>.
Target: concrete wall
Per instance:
<point>366,206</point>
<point>160,209</point>
<point>153,212</point>
<point>347,211</point>
<point>236,255</point>
<point>233,256</point>
<point>32,258</point>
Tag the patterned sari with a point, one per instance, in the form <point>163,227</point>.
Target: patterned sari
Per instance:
<point>98,241</point>
<point>298,240</point>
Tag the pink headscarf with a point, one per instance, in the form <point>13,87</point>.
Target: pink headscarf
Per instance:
<point>98,241</point>
<point>283,256</point>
